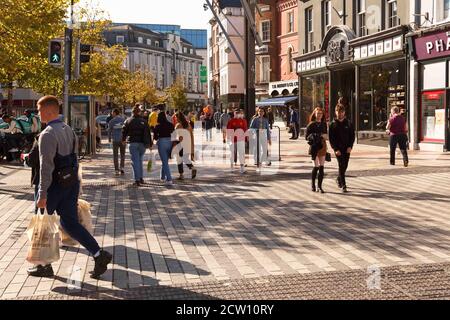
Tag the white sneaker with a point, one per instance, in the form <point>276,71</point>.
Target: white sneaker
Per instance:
<point>14,150</point>
<point>169,182</point>
<point>243,169</point>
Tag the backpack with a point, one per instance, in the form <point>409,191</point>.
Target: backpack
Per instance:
<point>24,124</point>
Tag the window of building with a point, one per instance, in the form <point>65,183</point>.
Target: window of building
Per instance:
<point>290,61</point>
<point>309,29</point>
<point>265,31</point>
<point>326,16</point>
<point>291,22</point>
<point>362,28</point>
<point>120,39</point>
<point>156,43</point>
<point>140,40</point>
<point>392,13</point>
<point>442,8</point>
<point>149,42</point>
<point>265,69</point>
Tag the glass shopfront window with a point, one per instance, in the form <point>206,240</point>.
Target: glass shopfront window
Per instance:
<point>382,86</point>
<point>315,92</point>
<point>433,116</point>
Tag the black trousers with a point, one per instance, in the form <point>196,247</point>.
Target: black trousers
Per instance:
<point>295,130</point>
<point>401,140</point>
<point>343,160</point>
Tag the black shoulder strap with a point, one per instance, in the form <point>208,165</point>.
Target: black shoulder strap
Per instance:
<point>74,140</point>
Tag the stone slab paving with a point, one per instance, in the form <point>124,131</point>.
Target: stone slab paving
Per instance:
<point>228,227</point>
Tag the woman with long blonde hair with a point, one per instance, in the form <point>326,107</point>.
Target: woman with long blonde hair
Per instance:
<point>317,135</point>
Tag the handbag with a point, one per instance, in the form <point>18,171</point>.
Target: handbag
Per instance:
<point>328,157</point>
<point>68,176</point>
<point>43,234</point>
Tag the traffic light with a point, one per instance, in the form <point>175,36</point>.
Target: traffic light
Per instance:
<point>85,53</point>
<point>55,52</point>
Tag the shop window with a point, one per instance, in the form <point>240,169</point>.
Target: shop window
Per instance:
<point>314,92</point>
<point>433,77</point>
<point>382,87</point>
<point>433,116</point>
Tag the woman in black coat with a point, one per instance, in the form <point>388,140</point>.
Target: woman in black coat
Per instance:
<point>316,135</point>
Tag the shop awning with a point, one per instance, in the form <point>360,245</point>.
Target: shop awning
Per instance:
<point>278,101</point>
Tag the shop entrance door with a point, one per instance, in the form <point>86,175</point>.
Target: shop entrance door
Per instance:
<point>343,86</point>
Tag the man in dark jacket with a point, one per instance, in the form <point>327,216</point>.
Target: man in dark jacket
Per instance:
<point>137,133</point>
<point>342,138</point>
<point>294,123</point>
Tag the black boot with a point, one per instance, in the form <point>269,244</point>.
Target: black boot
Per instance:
<point>405,158</point>
<point>320,178</point>
<point>313,179</point>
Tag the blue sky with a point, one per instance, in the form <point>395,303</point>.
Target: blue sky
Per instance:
<point>187,13</point>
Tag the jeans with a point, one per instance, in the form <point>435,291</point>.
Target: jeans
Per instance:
<point>402,141</point>
<point>262,147</point>
<point>119,146</point>
<point>343,160</point>
<point>237,151</point>
<point>137,151</point>
<point>65,202</point>
<point>208,134</point>
<point>164,149</point>
<point>295,130</point>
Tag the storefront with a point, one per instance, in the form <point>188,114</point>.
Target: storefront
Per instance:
<point>431,51</point>
<point>327,75</point>
<point>381,67</point>
<point>367,74</point>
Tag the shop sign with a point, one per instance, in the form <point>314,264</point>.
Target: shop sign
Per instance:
<point>379,48</point>
<point>337,50</point>
<point>432,46</point>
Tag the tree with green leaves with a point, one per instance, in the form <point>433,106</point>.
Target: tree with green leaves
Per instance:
<point>176,95</point>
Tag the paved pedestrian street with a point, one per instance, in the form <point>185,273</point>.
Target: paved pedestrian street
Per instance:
<point>260,235</point>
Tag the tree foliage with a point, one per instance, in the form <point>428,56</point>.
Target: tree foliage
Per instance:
<point>176,95</point>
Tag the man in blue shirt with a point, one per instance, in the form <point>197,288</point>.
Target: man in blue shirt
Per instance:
<point>294,122</point>
<point>261,127</point>
<point>115,126</point>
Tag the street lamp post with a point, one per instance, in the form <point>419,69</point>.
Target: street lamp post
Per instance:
<point>68,39</point>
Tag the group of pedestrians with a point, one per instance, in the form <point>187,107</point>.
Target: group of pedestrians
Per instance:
<point>341,136</point>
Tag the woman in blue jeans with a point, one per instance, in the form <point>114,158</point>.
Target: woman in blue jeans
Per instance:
<point>163,135</point>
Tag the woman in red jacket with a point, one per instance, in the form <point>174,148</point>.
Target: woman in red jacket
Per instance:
<point>236,129</point>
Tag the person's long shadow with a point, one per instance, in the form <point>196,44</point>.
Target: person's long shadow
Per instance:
<point>156,292</point>
<point>127,257</point>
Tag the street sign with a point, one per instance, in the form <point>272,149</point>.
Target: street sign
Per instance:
<point>203,74</point>
<point>55,52</point>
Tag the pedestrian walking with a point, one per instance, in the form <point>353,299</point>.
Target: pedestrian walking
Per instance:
<point>59,184</point>
<point>217,116</point>
<point>260,127</point>
<point>153,119</point>
<point>137,133</point>
<point>115,127</point>
<point>397,128</point>
<point>294,123</point>
<point>224,118</point>
<point>316,135</point>
<point>163,135</point>
<point>237,128</point>
<point>270,117</point>
<point>342,138</point>
<point>185,139</point>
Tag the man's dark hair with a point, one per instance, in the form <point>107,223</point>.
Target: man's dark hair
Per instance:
<point>5,116</point>
<point>116,111</point>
